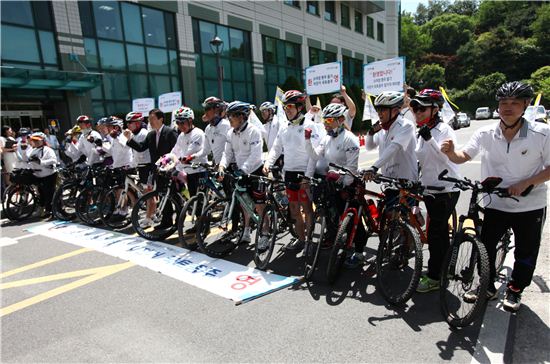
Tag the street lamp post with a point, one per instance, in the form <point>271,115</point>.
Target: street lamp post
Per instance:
<point>216,44</point>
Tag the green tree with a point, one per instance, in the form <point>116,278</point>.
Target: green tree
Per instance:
<point>448,32</point>
<point>431,76</point>
<point>540,80</point>
<point>485,87</point>
<point>414,43</point>
<point>463,7</point>
<point>426,13</point>
<point>515,16</point>
<point>541,28</point>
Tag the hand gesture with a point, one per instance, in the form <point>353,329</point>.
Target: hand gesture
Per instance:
<point>447,146</point>
<point>128,134</point>
<point>307,133</point>
<point>342,89</point>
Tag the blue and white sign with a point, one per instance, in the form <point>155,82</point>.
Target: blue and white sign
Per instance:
<point>226,279</point>
<point>385,75</point>
<point>170,101</point>
<point>323,78</point>
<point>143,105</point>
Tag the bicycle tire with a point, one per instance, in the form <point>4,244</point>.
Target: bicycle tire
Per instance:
<point>338,251</point>
<point>64,201</point>
<point>396,279</point>
<point>159,232</point>
<point>313,243</point>
<point>215,219</point>
<point>502,248</point>
<point>269,218</point>
<point>87,206</point>
<point>456,311</point>
<point>21,202</point>
<point>107,207</point>
<point>187,221</point>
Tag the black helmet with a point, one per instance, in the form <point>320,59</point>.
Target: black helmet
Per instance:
<point>515,90</point>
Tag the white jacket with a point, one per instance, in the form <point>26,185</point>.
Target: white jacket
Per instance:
<point>190,144</point>
<point>141,158</point>
<point>271,130</point>
<point>84,147</point>
<point>121,153</point>
<point>215,139</point>
<point>47,163</point>
<point>245,146</point>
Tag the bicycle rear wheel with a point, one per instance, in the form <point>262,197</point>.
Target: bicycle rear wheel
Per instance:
<point>503,246</point>
<point>338,251</point>
<point>64,201</point>
<point>113,215</point>
<point>398,262</point>
<point>465,269</point>
<point>88,205</point>
<point>20,202</point>
<point>266,234</point>
<point>218,233</point>
<point>149,221</point>
<point>187,220</point>
<point>313,244</point>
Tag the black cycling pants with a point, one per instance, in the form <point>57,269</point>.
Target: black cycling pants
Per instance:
<point>527,227</point>
<point>46,188</point>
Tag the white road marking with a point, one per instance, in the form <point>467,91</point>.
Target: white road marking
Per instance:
<point>5,241</point>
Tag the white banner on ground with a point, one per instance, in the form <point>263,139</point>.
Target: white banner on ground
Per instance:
<point>170,101</point>
<point>226,279</point>
<point>386,75</point>
<point>369,112</point>
<point>323,78</point>
<point>143,105</point>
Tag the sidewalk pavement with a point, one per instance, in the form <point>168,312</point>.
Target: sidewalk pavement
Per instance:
<point>531,340</point>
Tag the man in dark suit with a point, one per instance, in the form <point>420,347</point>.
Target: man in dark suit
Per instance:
<point>160,141</point>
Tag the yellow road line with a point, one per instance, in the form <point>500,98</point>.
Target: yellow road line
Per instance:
<point>55,277</point>
<point>68,287</point>
<point>44,262</point>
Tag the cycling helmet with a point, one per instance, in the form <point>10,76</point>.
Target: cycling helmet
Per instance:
<point>134,116</point>
<point>24,131</point>
<point>212,102</point>
<point>102,121</point>
<point>268,106</point>
<point>334,110</point>
<point>515,90</point>
<point>83,119</point>
<point>428,97</point>
<point>38,136</point>
<point>294,97</point>
<point>114,121</point>
<point>389,99</point>
<point>184,113</point>
<point>238,107</point>
<point>74,130</point>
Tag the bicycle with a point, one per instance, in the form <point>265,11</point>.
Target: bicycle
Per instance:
<point>96,180</point>
<point>65,195</point>
<point>399,255</point>
<point>366,212</point>
<point>504,245</point>
<point>117,202</point>
<point>466,265</point>
<point>21,196</point>
<point>209,190</point>
<point>155,214</point>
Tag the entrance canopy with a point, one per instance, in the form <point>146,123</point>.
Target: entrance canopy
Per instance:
<point>38,79</point>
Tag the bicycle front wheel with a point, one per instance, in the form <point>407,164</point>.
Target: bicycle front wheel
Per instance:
<point>465,269</point>
<point>313,244</point>
<point>218,233</point>
<point>266,236</point>
<point>88,205</point>
<point>64,201</point>
<point>188,218</point>
<point>503,246</point>
<point>115,211</point>
<point>155,215</point>
<point>20,202</point>
<point>398,262</point>
<point>338,251</point>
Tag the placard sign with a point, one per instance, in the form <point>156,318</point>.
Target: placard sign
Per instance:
<point>323,78</point>
<point>170,101</point>
<point>386,75</point>
<point>143,105</point>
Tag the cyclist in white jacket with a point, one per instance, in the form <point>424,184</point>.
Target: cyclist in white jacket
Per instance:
<point>134,122</point>
<point>85,147</point>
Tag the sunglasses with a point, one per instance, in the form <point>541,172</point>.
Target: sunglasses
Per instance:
<point>329,120</point>
<point>418,108</point>
<point>380,109</point>
<point>289,107</point>
<point>181,121</point>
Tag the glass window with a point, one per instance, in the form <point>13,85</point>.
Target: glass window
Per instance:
<point>313,56</point>
<point>153,25</point>
<point>237,43</point>
<point>112,55</point>
<point>330,57</point>
<point>23,49</point>
<point>223,33</point>
<point>170,31</point>
<point>207,33</point>
<point>240,91</point>
<point>358,22</point>
<point>292,56</point>
<point>370,59</point>
<point>18,12</point>
<point>139,86</point>
<point>174,66</point>
<point>176,84</point>
<point>47,45</point>
<point>42,15</point>
<point>330,11</point>
<point>294,3</point>
<point>313,7</point>
<point>270,50</point>
<point>136,58</point>
<point>238,70</point>
<point>115,86</point>
<point>97,93</point>
<point>98,110</point>
<point>132,23</point>
<point>158,60</point>
<point>88,29</point>
<point>345,15</point>
<point>159,84</point>
<point>92,60</point>
<point>107,19</point>
<point>370,27</point>
<point>380,32</point>
<point>209,66</point>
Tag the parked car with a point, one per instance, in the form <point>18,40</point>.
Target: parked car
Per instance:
<point>483,113</point>
<point>463,119</point>
<point>536,113</point>
<point>496,115</point>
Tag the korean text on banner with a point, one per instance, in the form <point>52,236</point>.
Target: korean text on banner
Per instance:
<point>386,75</point>
<point>170,101</point>
<point>143,105</point>
<point>323,78</point>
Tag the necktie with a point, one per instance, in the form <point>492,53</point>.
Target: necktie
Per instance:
<point>158,137</point>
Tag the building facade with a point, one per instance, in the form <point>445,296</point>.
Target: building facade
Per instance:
<point>62,59</point>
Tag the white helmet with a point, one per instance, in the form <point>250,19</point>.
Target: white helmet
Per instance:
<point>184,113</point>
<point>334,110</point>
<point>389,99</point>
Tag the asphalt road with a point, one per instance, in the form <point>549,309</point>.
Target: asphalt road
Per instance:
<point>137,315</point>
